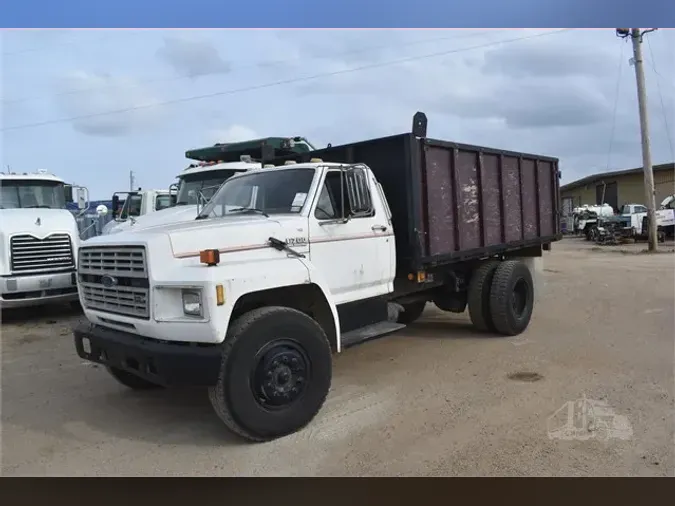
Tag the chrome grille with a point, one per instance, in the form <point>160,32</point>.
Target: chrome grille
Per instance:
<point>51,254</point>
<point>126,291</point>
<point>114,260</point>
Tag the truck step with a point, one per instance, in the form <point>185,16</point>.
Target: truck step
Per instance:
<point>369,332</point>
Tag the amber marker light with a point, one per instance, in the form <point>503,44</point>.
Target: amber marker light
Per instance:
<point>220,295</point>
<point>209,257</point>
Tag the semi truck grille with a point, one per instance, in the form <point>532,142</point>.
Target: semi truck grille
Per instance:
<point>51,254</point>
<point>114,279</point>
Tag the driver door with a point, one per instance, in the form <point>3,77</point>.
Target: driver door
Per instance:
<point>351,237</point>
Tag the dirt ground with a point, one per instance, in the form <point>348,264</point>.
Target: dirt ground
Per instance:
<point>436,399</point>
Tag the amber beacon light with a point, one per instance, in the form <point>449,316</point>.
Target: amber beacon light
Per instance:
<point>209,257</point>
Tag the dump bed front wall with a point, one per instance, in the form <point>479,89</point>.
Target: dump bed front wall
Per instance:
<point>475,199</point>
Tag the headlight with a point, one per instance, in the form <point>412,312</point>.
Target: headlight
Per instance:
<point>192,303</point>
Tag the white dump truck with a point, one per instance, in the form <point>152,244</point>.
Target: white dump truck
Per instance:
<point>200,180</point>
<point>133,205</point>
<point>39,239</point>
<point>287,265</point>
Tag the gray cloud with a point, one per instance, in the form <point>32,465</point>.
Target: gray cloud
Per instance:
<point>537,59</point>
<point>192,57</point>
<point>84,95</point>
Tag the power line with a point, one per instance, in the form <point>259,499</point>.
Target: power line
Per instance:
<point>663,106</point>
<point>281,82</point>
<point>616,104</point>
<point>243,67</point>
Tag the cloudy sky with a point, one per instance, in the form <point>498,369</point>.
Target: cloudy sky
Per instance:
<point>92,105</point>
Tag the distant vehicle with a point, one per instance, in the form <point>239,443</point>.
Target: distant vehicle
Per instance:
<point>39,239</point>
<point>138,203</point>
<point>199,181</point>
<point>586,219</point>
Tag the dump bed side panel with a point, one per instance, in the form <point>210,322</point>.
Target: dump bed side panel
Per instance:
<point>479,199</point>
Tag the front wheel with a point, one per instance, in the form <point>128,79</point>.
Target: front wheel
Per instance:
<point>275,373</point>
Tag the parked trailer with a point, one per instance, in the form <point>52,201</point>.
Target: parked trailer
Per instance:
<point>289,263</point>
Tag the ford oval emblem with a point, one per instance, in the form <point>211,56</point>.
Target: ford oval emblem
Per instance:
<point>108,281</point>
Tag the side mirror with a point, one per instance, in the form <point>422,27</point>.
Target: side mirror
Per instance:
<point>115,204</point>
<point>356,181</point>
<point>102,210</point>
<point>81,198</point>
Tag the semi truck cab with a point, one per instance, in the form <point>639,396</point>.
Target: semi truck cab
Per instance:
<point>39,240</point>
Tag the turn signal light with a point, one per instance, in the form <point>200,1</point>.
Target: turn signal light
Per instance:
<point>209,257</point>
<point>220,295</point>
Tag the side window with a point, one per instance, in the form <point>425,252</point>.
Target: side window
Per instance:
<point>640,209</point>
<point>324,207</point>
<point>163,202</point>
<point>360,200</point>
<point>344,194</point>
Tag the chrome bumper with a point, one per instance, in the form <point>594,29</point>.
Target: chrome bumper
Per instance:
<point>37,289</point>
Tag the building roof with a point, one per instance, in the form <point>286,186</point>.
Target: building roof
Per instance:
<point>617,173</point>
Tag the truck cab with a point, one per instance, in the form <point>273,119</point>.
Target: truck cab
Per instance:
<point>134,204</point>
<point>213,165</point>
<point>39,240</point>
<point>196,184</point>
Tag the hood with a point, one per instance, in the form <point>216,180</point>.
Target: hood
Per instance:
<point>175,214</point>
<point>37,222</point>
<point>229,235</point>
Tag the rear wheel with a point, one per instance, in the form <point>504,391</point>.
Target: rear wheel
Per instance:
<point>412,312</point>
<point>479,296</point>
<point>511,298</point>
<point>275,373</point>
<point>132,381</point>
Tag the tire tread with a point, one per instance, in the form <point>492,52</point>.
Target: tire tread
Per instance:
<point>217,394</point>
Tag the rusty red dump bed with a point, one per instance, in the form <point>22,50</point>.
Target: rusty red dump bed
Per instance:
<point>453,202</point>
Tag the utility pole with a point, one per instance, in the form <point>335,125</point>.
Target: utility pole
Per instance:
<point>636,36</point>
<point>131,180</point>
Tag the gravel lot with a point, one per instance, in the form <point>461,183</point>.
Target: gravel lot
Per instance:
<point>435,399</point>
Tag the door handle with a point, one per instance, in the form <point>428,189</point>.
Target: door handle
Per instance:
<point>378,228</point>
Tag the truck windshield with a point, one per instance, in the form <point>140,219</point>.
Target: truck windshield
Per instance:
<point>206,182</point>
<point>280,191</point>
<point>25,194</point>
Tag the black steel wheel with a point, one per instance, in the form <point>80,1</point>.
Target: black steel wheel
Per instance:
<point>479,296</point>
<point>280,374</point>
<point>132,381</point>
<point>412,311</point>
<point>511,297</point>
<point>275,373</point>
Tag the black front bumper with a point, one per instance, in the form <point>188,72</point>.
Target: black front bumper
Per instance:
<point>161,362</point>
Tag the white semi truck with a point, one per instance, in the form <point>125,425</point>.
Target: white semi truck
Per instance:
<point>39,240</point>
<point>287,265</point>
<point>200,180</point>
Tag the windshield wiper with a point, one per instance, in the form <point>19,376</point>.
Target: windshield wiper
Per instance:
<point>254,209</point>
<point>42,206</point>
